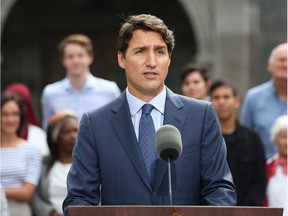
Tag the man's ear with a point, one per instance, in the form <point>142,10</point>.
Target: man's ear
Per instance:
<point>121,60</point>
<point>91,59</point>
<point>208,85</point>
<point>270,66</point>
<point>237,102</point>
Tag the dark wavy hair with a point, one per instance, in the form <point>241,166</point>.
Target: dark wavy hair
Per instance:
<point>19,100</point>
<point>144,22</point>
<point>190,68</point>
<point>223,83</point>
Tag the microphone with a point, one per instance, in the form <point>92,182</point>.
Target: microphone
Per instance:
<point>169,148</point>
<point>168,143</point>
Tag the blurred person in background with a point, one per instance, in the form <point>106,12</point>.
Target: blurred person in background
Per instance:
<point>195,82</point>
<point>4,211</point>
<point>20,161</point>
<point>31,130</point>
<point>245,152</point>
<point>51,192</point>
<point>80,91</point>
<point>264,103</point>
<point>277,166</point>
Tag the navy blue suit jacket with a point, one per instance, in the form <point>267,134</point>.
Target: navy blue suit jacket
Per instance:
<point>107,154</point>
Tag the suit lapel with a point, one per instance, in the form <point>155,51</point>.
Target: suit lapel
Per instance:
<point>123,127</point>
<point>172,116</point>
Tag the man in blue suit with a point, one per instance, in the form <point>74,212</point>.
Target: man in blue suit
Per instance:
<point>108,154</point>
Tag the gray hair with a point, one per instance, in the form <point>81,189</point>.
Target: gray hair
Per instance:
<point>279,125</point>
<point>274,50</point>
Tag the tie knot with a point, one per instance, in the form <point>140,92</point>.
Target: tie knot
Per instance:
<point>146,109</point>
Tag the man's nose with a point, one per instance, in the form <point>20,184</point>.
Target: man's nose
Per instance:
<point>151,60</point>
<point>221,101</point>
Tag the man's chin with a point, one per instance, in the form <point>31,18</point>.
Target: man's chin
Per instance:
<point>77,72</point>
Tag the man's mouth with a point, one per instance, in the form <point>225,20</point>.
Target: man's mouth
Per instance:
<point>150,75</point>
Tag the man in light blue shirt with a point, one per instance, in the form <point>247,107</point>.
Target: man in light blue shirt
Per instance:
<point>264,103</point>
<point>80,91</point>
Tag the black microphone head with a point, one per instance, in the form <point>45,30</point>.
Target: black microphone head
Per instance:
<point>168,142</point>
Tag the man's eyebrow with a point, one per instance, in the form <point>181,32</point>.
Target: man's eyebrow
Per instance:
<point>160,47</point>
<point>140,48</point>
<point>156,47</point>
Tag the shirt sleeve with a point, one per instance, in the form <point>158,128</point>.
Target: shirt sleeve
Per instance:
<point>117,90</point>
<point>247,112</point>
<point>46,109</point>
<point>34,166</point>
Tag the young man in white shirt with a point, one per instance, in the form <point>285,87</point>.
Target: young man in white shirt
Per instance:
<point>79,91</point>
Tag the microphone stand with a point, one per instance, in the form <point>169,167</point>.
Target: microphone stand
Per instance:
<point>169,180</point>
<point>175,212</point>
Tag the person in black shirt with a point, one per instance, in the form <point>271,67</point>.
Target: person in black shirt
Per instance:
<point>245,153</point>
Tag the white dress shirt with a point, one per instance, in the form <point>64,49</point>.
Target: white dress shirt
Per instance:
<point>61,95</point>
<point>135,106</point>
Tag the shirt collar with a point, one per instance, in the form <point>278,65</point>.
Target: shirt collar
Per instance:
<point>135,104</point>
<point>87,85</point>
<point>274,92</point>
<point>272,87</point>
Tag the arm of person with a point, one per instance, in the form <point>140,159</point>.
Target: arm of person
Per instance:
<point>247,112</point>
<point>217,184</point>
<point>83,179</point>
<point>47,112</point>
<point>256,193</point>
<point>23,193</point>
<point>39,203</point>
<point>117,90</point>
<point>41,206</point>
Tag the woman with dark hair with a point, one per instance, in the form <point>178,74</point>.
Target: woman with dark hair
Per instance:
<point>51,192</point>
<point>31,130</point>
<point>20,161</point>
<point>195,82</point>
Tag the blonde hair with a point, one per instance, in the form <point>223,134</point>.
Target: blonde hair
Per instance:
<point>80,39</point>
<point>279,125</point>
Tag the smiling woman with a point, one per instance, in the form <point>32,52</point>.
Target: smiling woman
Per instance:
<point>20,161</point>
<point>61,136</point>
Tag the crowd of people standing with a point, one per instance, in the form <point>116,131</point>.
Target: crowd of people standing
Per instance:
<point>36,159</point>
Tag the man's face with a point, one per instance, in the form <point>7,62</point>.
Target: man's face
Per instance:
<point>278,64</point>
<point>76,59</point>
<point>146,64</point>
<point>195,86</point>
<point>67,136</point>
<point>225,102</point>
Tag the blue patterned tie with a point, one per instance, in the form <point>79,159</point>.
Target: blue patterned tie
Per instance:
<point>146,140</point>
